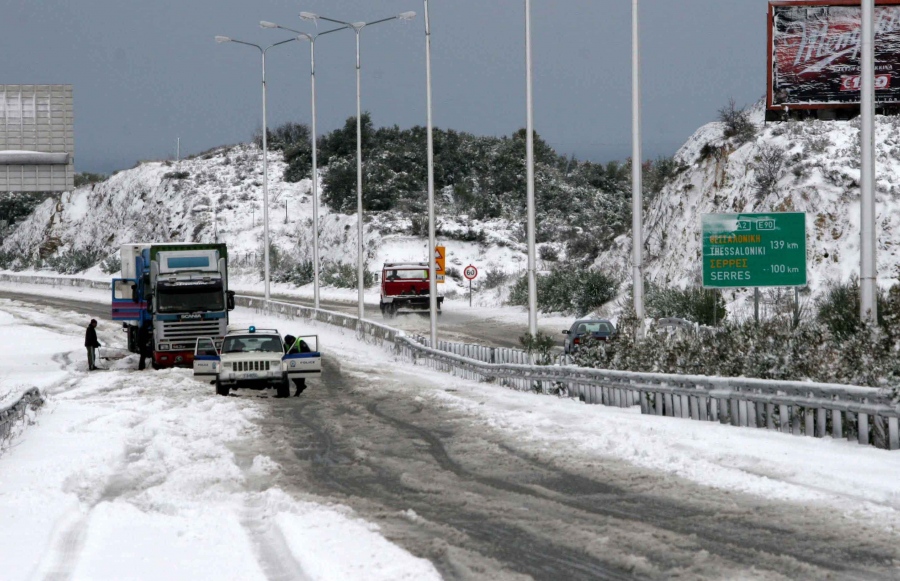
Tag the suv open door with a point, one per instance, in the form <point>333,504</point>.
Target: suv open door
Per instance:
<point>304,364</point>
<point>206,359</point>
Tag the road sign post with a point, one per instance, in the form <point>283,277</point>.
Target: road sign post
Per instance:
<point>470,273</point>
<point>754,250</point>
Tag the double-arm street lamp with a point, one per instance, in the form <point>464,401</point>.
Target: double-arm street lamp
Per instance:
<point>357,28</point>
<point>265,151</point>
<point>315,171</point>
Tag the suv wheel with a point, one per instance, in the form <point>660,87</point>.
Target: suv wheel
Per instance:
<point>284,388</point>
<point>221,389</point>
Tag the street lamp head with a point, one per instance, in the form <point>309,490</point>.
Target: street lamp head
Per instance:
<point>406,15</point>
<point>309,16</point>
<point>304,36</point>
<point>357,25</point>
<point>222,39</point>
<point>266,24</point>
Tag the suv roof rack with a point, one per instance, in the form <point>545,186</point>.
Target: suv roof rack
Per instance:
<point>252,331</point>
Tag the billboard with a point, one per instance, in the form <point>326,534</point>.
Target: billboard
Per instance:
<point>814,54</point>
<point>37,138</point>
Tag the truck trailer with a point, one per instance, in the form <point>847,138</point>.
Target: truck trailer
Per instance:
<point>178,289</point>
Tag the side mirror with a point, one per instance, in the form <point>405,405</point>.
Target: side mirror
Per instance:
<point>565,331</point>
<point>377,277</point>
<point>229,300</point>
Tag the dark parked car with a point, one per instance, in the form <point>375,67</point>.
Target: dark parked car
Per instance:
<point>600,329</point>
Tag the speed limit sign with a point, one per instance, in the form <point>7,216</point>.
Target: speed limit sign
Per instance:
<point>470,272</point>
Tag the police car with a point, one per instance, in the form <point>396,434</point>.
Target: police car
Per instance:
<point>256,359</point>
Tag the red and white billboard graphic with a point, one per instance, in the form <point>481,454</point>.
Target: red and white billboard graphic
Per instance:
<point>814,53</point>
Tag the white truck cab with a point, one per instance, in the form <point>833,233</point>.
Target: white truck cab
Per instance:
<point>256,359</point>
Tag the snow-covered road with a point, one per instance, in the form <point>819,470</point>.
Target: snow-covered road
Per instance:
<point>132,475</point>
<point>148,475</point>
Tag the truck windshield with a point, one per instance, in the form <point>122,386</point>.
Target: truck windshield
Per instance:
<point>190,298</point>
<point>406,275</point>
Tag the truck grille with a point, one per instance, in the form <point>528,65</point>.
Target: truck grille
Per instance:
<point>188,331</point>
<point>251,365</point>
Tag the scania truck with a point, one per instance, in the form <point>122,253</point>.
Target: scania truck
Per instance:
<point>180,290</point>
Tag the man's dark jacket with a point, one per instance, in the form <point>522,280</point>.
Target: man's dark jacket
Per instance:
<point>90,337</point>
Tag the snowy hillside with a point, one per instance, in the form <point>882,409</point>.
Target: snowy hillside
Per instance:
<point>218,196</point>
<point>808,166</point>
<point>804,166</point>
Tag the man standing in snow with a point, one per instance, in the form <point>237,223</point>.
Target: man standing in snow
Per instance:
<point>145,343</point>
<point>91,343</point>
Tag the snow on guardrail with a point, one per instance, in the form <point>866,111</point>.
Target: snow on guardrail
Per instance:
<point>14,413</point>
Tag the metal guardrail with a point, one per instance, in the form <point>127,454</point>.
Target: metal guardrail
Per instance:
<point>863,414</point>
<point>56,281</point>
<point>13,413</point>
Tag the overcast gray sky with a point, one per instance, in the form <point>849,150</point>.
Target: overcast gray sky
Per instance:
<point>145,73</point>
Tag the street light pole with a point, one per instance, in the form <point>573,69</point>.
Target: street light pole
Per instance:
<point>868,286</point>
<point>315,168</point>
<point>360,246</point>
<point>357,28</point>
<point>637,207</point>
<point>432,243</point>
<point>265,151</point>
<point>529,162</point>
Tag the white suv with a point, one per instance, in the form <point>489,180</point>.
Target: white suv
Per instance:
<point>254,358</point>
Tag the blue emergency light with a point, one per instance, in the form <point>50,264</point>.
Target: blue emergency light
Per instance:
<point>252,329</point>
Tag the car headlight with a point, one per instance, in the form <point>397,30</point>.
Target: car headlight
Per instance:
<point>227,365</point>
<point>163,347</point>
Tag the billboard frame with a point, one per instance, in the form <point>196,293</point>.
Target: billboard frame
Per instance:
<point>770,49</point>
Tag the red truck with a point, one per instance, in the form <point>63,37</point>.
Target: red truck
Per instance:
<point>404,286</point>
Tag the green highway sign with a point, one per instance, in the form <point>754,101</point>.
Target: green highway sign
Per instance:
<point>751,250</point>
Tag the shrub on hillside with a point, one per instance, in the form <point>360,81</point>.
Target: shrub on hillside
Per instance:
<point>87,178</point>
<point>73,261</point>
<point>737,123</point>
<point>769,167</point>
<point>696,304</point>
<point>345,275</point>
<point>112,264</point>
<point>14,206</point>
<point>567,289</point>
<point>838,308</point>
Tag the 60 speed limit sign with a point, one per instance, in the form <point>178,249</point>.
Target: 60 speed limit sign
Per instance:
<point>470,272</point>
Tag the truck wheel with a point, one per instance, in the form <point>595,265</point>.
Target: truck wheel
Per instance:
<point>284,388</point>
<point>221,389</point>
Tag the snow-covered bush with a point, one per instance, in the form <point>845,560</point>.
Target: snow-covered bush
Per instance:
<point>73,261</point>
<point>737,123</point>
<point>567,289</point>
<point>775,349</point>
<point>112,264</point>
<point>696,304</point>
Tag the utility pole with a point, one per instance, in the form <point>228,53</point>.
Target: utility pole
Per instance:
<point>637,203</point>
<point>867,277</point>
<point>529,172</point>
